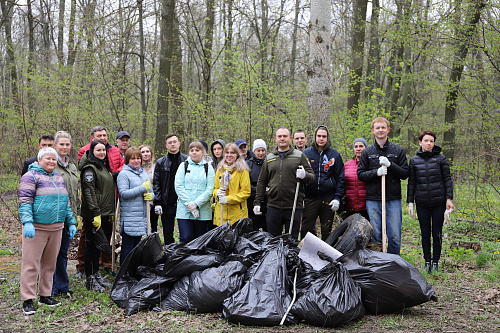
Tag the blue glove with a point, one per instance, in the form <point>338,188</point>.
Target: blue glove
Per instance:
<point>72,231</point>
<point>29,230</point>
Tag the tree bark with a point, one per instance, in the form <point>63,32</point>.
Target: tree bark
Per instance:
<point>207,63</point>
<point>294,42</point>
<point>71,36</point>
<point>7,8</point>
<point>166,47</point>
<point>319,71</point>
<point>464,35</point>
<point>178,125</point>
<point>60,33</point>
<point>143,73</point>
<point>31,57</point>
<point>373,65</point>
<point>357,56</point>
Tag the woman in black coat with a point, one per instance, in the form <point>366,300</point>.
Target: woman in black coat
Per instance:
<point>431,188</point>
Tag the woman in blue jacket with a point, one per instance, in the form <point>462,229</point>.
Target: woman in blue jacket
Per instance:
<point>134,186</point>
<point>194,183</point>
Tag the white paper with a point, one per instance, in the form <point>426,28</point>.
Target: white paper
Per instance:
<point>310,248</point>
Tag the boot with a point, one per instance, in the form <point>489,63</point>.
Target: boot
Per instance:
<point>92,284</point>
<point>427,267</point>
<point>101,280</point>
<point>435,267</point>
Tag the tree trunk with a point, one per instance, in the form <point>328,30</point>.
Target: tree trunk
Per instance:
<point>464,36</point>
<point>166,47</point>
<point>178,124</point>
<point>373,65</point>
<point>294,42</point>
<point>207,64</point>
<point>7,8</point>
<point>143,73</point>
<point>60,33</point>
<point>357,56</point>
<point>319,75</point>
<point>31,59</point>
<point>71,36</point>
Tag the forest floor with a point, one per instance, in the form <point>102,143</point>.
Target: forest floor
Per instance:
<point>469,295</point>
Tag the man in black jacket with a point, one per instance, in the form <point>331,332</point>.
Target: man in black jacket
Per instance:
<point>45,140</point>
<point>384,158</point>
<point>163,185</point>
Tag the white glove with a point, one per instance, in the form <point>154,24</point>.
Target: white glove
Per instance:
<point>223,200</point>
<point>196,213</point>
<point>384,161</point>
<point>191,206</point>
<point>382,171</point>
<point>221,192</point>
<point>411,212</point>
<point>301,173</point>
<point>447,220</point>
<point>334,205</point>
<point>158,210</point>
<point>256,210</point>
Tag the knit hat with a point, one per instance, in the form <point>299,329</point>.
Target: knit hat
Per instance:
<point>363,141</point>
<point>259,143</point>
<point>240,142</point>
<point>205,145</point>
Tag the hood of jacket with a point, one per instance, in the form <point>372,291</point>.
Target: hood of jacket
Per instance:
<point>190,161</point>
<point>436,150</point>
<point>220,141</point>
<point>328,140</point>
<point>37,167</point>
<point>128,168</point>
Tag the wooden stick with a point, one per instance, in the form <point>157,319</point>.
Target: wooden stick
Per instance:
<point>384,229</point>
<point>294,206</point>
<point>148,214</point>
<point>113,241</point>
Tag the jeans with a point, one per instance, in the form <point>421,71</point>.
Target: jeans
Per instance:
<point>128,244</point>
<point>191,229</point>
<point>425,215</point>
<point>168,221</point>
<point>276,218</point>
<point>60,280</point>
<point>394,221</point>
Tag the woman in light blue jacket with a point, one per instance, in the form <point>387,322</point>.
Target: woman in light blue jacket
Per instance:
<point>135,191</point>
<point>194,183</point>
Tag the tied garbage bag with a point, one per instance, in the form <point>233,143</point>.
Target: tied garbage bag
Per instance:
<point>332,299</point>
<point>145,254</point>
<point>264,299</point>
<point>177,300</point>
<point>147,293</point>
<point>388,282</point>
<point>208,289</point>
<point>185,263</point>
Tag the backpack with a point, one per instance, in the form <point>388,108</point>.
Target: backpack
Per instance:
<point>186,163</point>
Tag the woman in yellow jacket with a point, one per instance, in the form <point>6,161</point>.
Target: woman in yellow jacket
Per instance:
<point>231,187</point>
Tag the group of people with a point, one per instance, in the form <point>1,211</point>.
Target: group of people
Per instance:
<point>202,191</point>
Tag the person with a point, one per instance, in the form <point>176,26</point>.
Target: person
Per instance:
<point>98,208</point>
<point>45,140</point>
<point>431,188</point>
<point>206,157</point>
<point>148,164</point>
<point>217,149</point>
<point>323,197</point>
<point>384,158</point>
<point>165,200</point>
<point>134,186</point>
<point>243,147</point>
<point>355,190</point>
<point>69,172</point>
<point>284,167</point>
<point>300,139</point>
<point>114,155</point>
<point>255,166</point>
<point>194,183</point>
<point>231,187</point>
<point>115,161</point>
<point>122,142</point>
<point>44,211</point>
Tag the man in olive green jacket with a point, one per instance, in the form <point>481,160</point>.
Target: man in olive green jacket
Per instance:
<point>283,168</point>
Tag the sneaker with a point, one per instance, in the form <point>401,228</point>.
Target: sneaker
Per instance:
<point>28,307</point>
<point>435,267</point>
<point>49,301</point>
<point>427,267</point>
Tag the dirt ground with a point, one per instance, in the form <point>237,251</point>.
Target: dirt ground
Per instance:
<point>467,303</point>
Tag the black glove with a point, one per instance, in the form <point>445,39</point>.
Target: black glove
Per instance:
<point>115,175</point>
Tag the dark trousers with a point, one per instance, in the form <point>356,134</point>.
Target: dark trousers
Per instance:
<point>80,254</point>
<point>168,222</point>
<point>191,229</point>
<point>431,221</point>
<point>313,209</point>
<point>276,218</point>
<point>154,219</point>
<point>91,253</point>
<point>60,281</point>
<point>128,244</point>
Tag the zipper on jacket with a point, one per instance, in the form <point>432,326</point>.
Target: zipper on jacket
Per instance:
<point>319,167</point>
<point>57,189</point>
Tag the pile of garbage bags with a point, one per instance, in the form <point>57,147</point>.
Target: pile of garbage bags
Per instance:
<point>254,278</point>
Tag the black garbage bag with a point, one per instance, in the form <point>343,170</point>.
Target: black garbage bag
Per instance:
<point>259,238</point>
<point>209,288</point>
<point>147,293</point>
<point>184,263</point>
<point>388,282</point>
<point>143,254</point>
<point>264,299</point>
<point>177,299</point>
<point>247,248</point>
<point>331,300</point>
<point>100,240</point>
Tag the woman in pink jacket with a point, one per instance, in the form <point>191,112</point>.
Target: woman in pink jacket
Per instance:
<point>355,189</point>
